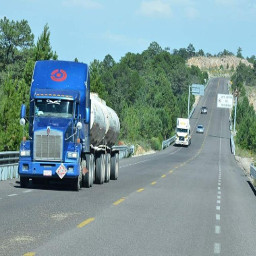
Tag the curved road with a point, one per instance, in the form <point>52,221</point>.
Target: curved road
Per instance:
<point>179,202</point>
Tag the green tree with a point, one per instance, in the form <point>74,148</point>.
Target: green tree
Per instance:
<point>239,53</point>
<point>43,50</point>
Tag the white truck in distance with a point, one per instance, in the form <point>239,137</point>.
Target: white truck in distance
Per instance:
<point>183,136</point>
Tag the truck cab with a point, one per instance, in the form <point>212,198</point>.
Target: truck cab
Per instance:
<point>183,132</point>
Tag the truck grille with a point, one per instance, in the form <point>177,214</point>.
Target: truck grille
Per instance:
<point>181,138</point>
<point>48,147</point>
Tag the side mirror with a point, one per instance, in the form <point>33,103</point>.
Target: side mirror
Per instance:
<point>79,125</point>
<point>87,115</point>
<point>22,121</point>
<point>23,111</point>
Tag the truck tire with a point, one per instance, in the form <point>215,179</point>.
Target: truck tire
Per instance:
<point>107,168</point>
<point>114,169</point>
<point>100,169</point>
<point>77,182</point>
<point>87,177</point>
<point>24,182</point>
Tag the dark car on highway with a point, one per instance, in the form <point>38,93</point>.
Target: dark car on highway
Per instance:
<point>204,110</point>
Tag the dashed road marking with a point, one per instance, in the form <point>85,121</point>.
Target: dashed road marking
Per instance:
<point>140,190</point>
<point>153,183</point>
<point>217,248</point>
<point>119,201</point>
<point>218,201</point>
<point>86,222</point>
<point>12,195</point>
<point>27,191</point>
<point>171,171</point>
<point>163,176</point>
<point>217,216</point>
<point>29,254</point>
<point>218,207</point>
<point>217,229</point>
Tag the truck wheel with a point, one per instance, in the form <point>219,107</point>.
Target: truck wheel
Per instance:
<point>107,168</point>
<point>100,169</point>
<point>85,176</point>
<point>114,169</point>
<point>93,168</point>
<point>88,177</point>
<point>77,182</point>
<point>24,182</point>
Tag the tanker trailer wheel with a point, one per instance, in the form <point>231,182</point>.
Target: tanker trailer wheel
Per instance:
<point>87,178</point>
<point>114,169</point>
<point>100,169</point>
<point>107,168</point>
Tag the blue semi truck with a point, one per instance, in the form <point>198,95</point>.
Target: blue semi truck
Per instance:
<point>71,131</point>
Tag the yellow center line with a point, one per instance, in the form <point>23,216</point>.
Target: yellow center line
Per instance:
<point>86,222</point>
<point>153,183</point>
<point>119,201</point>
<point>29,254</point>
<point>163,176</point>
<point>171,171</point>
<point>140,190</point>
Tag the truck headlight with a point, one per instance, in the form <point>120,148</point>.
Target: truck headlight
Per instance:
<point>72,154</point>
<point>25,153</point>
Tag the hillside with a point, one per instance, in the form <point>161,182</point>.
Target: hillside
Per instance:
<point>217,65</point>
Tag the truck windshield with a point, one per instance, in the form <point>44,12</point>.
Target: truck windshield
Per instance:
<point>53,108</point>
<point>182,130</point>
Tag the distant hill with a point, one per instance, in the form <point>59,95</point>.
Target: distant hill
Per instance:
<point>224,63</point>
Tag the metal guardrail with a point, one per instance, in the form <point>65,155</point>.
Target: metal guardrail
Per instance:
<point>232,145</point>
<point>253,174</point>
<point>9,165</point>
<point>167,143</point>
<point>124,151</point>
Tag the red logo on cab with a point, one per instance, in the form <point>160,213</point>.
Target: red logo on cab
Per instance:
<point>58,75</point>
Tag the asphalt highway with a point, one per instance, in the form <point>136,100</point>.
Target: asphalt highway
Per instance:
<point>182,201</point>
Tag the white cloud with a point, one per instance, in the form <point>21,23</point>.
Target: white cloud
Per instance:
<point>191,13</point>
<point>86,4</point>
<point>155,8</point>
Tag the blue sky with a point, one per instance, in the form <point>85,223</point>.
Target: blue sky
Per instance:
<point>91,29</point>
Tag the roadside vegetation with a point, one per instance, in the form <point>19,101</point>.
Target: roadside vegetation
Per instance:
<point>244,84</point>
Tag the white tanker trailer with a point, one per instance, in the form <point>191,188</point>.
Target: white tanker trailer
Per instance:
<point>104,131</point>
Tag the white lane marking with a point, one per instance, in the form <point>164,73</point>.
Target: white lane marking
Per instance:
<point>217,216</point>
<point>217,229</point>
<point>27,191</point>
<point>219,183</point>
<point>219,192</point>
<point>134,163</point>
<point>218,208</point>
<point>218,188</point>
<point>13,195</point>
<point>218,197</point>
<point>216,248</point>
<point>218,201</point>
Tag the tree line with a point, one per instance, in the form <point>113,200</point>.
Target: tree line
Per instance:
<point>246,116</point>
<point>148,90</point>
